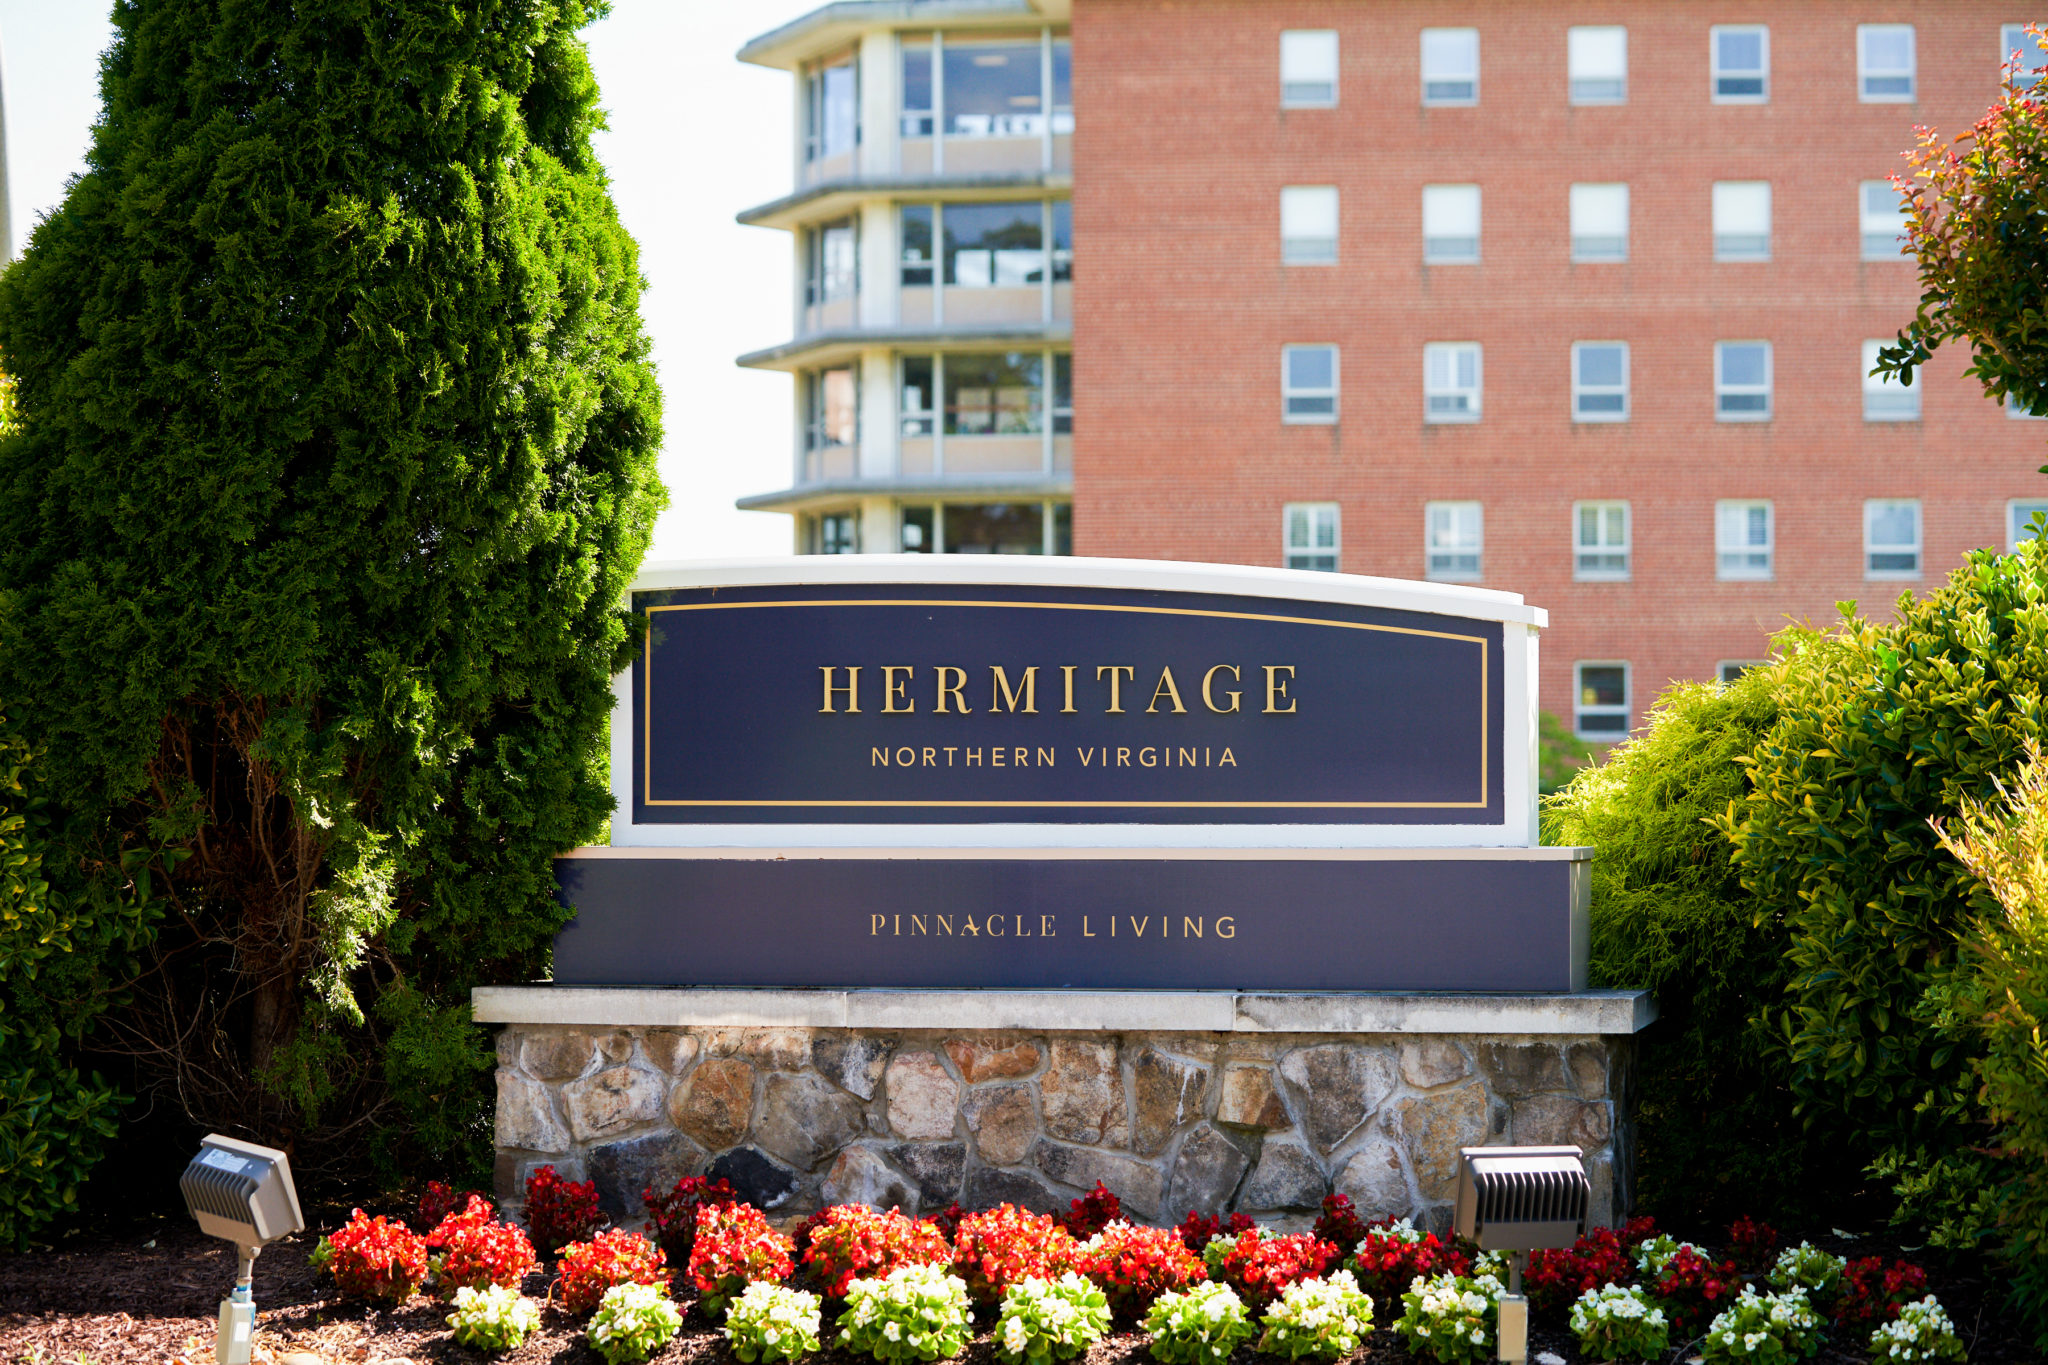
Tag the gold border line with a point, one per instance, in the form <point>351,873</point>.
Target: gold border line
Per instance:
<point>1485,699</point>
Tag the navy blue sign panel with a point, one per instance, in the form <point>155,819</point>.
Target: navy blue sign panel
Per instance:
<point>902,703</point>
<point>1416,923</point>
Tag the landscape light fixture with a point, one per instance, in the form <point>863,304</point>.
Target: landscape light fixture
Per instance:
<point>1519,1200</point>
<point>243,1193</point>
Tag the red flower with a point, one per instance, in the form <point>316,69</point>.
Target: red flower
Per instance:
<point>734,1247</point>
<point>674,1215</point>
<point>482,1252</point>
<point>1091,1213</point>
<point>849,1242</point>
<point>1555,1279</point>
<point>1196,1229</point>
<point>613,1257</point>
<point>1133,1266</point>
<point>1008,1245</point>
<point>1872,1295</point>
<point>1691,1289</point>
<point>378,1260</point>
<point>559,1211</point>
<point>1386,1265</point>
<point>1752,1243</point>
<point>1260,1266</point>
<point>1340,1222</point>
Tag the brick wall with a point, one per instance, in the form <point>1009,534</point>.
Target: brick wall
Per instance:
<point>1182,308</point>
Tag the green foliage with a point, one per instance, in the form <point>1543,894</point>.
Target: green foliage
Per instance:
<point>1921,1332</point>
<point>1047,1320</point>
<point>771,1322</point>
<point>1716,1124</point>
<point>632,1322</point>
<point>1774,1329</point>
<point>1559,754</point>
<point>493,1318</point>
<point>1325,1318</point>
<point>914,1313</point>
<point>336,453</point>
<point>1202,1326</point>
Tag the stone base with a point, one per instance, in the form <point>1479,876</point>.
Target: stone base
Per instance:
<point>1215,1101</point>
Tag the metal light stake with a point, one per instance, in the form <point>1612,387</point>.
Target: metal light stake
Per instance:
<point>243,1193</point>
<point>1518,1200</point>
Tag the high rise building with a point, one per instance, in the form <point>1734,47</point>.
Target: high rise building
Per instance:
<point>1577,300</point>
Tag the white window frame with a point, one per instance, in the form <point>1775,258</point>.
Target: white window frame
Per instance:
<point>1743,549</point>
<point>1449,77</point>
<point>1581,709</point>
<point>2015,38</point>
<point>1583,200</point>
<point>1722,389</point>
<point>1579,41</point>
<point>1583,390</point>
<point>1866,73</point>
<point>1473,395</point>
<point>1872,507</point>
<point>1715,73</point>
<point>1457,547</point>
<point>1885,399</point>
<point>1433,256</point>
<point>1310,49</point>
<point>1721,667</point>
<point>1729,196</point>
<point>1299,202</point>
<point>1288,390</point>
<point>1602,548</point>
<point>1314,513</point>
<point>2013,521</point>
<point>1895,224</point>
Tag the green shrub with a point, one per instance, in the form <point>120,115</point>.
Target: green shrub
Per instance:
<point>1202,1326</point>
<point>1325,1318</point>
<point>915,1312</point>
<point>493,1318</point>
<point>1047,1320</point>
<point>1774,1329</point>
<point>772,1322</point>
<point>632,1322</point>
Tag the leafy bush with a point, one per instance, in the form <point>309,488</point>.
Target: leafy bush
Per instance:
<point>1451,1318</point>
<point>475,1212</point>
<point>915,1312</point>
<point>1654,1253</point>
<point>1135,1265</point>
<point>1691,1289</point>
<point>371,1258</point>
<point>770,1322</point>
<point>1197,1230</point>
<point>1258,1264</point>
<point>1613,1323</point>
<point>1389,1258</point>
<point>734,1247</point>
<point>1872,1294</point>
<point>1922,1331</point>
<point>1751,1243</point>
<point>1326,1318</point>
<point>1047,1320</point>
<point>632,1322</point>
<point>1807,1267</point>
<point>674,1214</point>
<point>1339,1223</point>
<point>852,1241</point>
<point>1008,1245</point>
<point>482,1254</point>
<point>1199,1327</point>
<point>560,1211</point>
<point>493,1318</point>
<point>1769,1328</point>
<point>1092,1212</point>
<point>438,1201</point>
<point>1556,1278</point>
<point>586,1271</point>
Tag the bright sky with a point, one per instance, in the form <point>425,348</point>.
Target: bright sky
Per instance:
<point>695,137</point>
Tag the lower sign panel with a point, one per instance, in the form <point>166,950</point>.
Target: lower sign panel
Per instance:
<point>1415,921</point>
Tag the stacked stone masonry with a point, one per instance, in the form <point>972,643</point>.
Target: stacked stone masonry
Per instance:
<point>798,1118</point>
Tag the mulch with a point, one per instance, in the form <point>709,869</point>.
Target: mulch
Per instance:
<point>152,1296</point>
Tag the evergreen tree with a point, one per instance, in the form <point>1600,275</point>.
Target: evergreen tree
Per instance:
<point>336,452</point>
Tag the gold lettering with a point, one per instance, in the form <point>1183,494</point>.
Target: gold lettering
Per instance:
<point>878,757</point>
<point>988,926</point>
<point>1045,927</point>
<point>945,923</point>
<point>1002,693</point>
<point>967,924</point>
<point>1067,678</point>
<point>875,923</point>
<point>974,758</point>
<point>1146,759</point>
<point>1021,758</point>
<point>1187,758</point>
<point>949,755</point>
<point>1084,755</point>
<point>1276,689</point>
<point>1116,696</point>
<point>1226,761</point>
<point>852,689</point>
<point>995,756</point>
<point>1045,758</point>
<point>917,925</point>
<point>1086,932</point>
<point>1226,932</point>
<point>1166,688</point>
<point>1020,929</point>
<point>1123,758</point>
<point>1112,926</point>
<point>898,931</point>
<point>1138,925</point>
<point>929,755</point>
<point>1186,924</point>
<point>894,688</point>
<point>903,762</point>
<point>1209,701</point>
<point>953,689</point>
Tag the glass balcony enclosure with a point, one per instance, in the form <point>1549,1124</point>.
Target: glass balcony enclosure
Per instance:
<point>969,263</point>
<point>831,130</point>
<point>979,102</point>
<point>999,412</point>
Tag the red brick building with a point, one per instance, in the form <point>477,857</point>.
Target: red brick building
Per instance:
<point>1567,299</point>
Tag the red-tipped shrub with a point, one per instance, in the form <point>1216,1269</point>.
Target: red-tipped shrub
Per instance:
<point>438,1201</point>
<point>480,1254</point>
<point>476,1212</point>
<point>1091,1213</point>
<point>734,1248</point>
<point>851,1242</point>
<point>1638,1229</point>
<point>1259,1266</point>
<point>1197,1228</point>
<point>1871,1295</point>
<point>674,1215</point>
<point>378,1260</point>
<point>586,1269</point>
<point>1752,1244</point>
<point>1340,1225</point>
<point>1555,1279</point>
<point>948,1222</point>
<point>1388,1260</point>
<point>1136,1265</point>
<point>560,1211</point>
<point>1008,1245</point>
<point>1693,1289</point>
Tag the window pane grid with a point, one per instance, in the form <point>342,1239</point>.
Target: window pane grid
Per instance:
<point>1891,538</point>
<point>1600,540</point>
<point>2017,46</point>
<point>1450,224</point>
<point>1454,540</point>
<point>1308,384</point>
<point>1310,538</point>
<point>1308,68</point>
<point>1308,224</point>
<point>1741,64</point>
<point>1884,63</point>
<point>2019,521</point>
<point>1597,60</point>
<point>1599,216</point>
<point>1451,381</point>
<point>1600,701</point>
<point>1450,66</point>
<point>1742,220</point>
<point>1600,381</point>
<point>1881,213</point>
<point>1742,381</point>
<point>1743,540</point>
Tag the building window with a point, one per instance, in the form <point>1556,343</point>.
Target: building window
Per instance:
<point>1450,224</point>
<point>1600,544</point>
<point>1741,63</point>
<point>1743,540</point>
<point>836,533</point>
<point>1728,670</point>
<point>1062,241</point>
<point>1450,381</point>
<point>1308,68</point>
<point>1308,224</point>
<point>1742,381</point>
<point>1884,63</point>
<point>1455,534</point>
<point>833,416</point>
<point>916,69</point>
<point>1600,381</point>
<point>993,88</point>
<point>2019,521</point>
<point>994,394</point>
<point>987,528</point>
<point>916,531</point>
<point>834,263</point>
<point>1600,701</point>
<point>917,412</point>
<point>1891,538</point>
<point>994,246</point>
<point>1062,393</point>
<point>1311,535</point>
<point>1599,222</point>
<point>1450,66</point>
<point>914,231</point>
<point>983,395</point>
<point>1597,58</point>
<point>2017,48</point>
<point>1742,220</point>
<point>1882,212</point>
<point>832,111</point>
<point>1308,384</point>
<point>1885,399</point>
